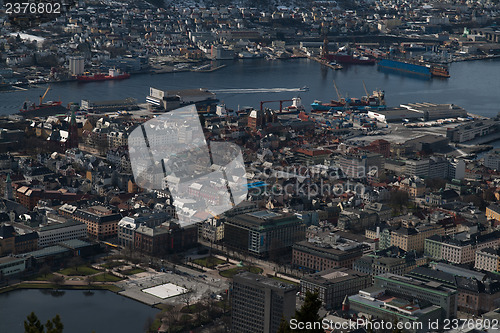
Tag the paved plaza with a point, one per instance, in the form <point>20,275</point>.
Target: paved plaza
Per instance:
<point>135,287</point>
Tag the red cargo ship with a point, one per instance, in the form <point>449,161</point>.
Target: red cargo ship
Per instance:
<point>346,56</point>
<point>113,75</point>
<point>28,106</point>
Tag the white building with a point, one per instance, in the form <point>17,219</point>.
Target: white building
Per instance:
<point>60,232</point>
<point>76,65</point>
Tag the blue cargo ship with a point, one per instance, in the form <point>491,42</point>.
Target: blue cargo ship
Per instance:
<point>422,70</point>
<point>405,67</point>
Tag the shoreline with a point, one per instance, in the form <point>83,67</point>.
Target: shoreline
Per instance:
<point>41,285</point>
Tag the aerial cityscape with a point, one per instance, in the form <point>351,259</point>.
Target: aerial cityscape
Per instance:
<point>249,166</point>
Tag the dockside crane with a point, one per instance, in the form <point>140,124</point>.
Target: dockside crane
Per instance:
<point>339,96</point>
<point>280,101</point>
<point>45,94</point>
<point>364,86</point>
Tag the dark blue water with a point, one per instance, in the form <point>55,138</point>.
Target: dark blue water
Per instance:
<point>473,85</point>
<point>104,311</point>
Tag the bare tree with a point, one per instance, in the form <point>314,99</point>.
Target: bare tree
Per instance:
<point>57,280</point>
<point>89,279</point>
<point>187,297</point>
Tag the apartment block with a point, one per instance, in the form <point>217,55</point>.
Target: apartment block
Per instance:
<point>414,238</point>
<point>493,212</point>
<point>487,259</point>
<point>460,248</point>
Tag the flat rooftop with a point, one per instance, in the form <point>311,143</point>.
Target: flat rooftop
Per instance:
<point>166,290</point>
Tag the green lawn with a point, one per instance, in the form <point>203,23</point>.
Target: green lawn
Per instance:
<point>106,277</point>
<point>40,277</point>
<point>209,262</point>
<point>112,264</point>
<point>229,273</point>
<point>133,271</point>
<point>80,270</point>
<point>62,287</point>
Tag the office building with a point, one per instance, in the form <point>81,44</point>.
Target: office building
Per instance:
<point>432,292</point>
<point>379,303</point>
<point>101,222</point>
<point>359,165</point>
<point>322,254</point>
<point>259,303</point>
<point>59,232</point>
<point>492,159</point>
<point>168,237</point>
<point>334,284</point>
<point>262,232</point>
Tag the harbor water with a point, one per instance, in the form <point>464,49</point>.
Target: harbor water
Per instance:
<point>473,85</point>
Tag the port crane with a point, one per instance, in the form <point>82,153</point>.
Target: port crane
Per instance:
<point>45,94</point>
<point>364,86</point>
<point>281,103</point>
<point>339,96</point>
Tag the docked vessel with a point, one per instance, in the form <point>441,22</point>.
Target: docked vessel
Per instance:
<point>28,106</point>
<point>374,101</point>
<point>349,58</point>
<point>113,74</point>
<point>4,85</point>
<point>420,69</point>
<point>345,55</point>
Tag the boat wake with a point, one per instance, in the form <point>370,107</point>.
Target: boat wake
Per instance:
<point>256,90</point>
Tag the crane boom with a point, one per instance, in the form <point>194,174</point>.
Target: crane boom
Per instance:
<point>337,90</point>
<point>45,94</point>
<point>364,86</point>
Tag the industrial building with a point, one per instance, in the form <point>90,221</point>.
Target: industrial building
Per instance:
<point>394,115</point>
<point>430,111</point>
<point>109,106</point>
<point>172,99</point>
<point>472,130</point>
